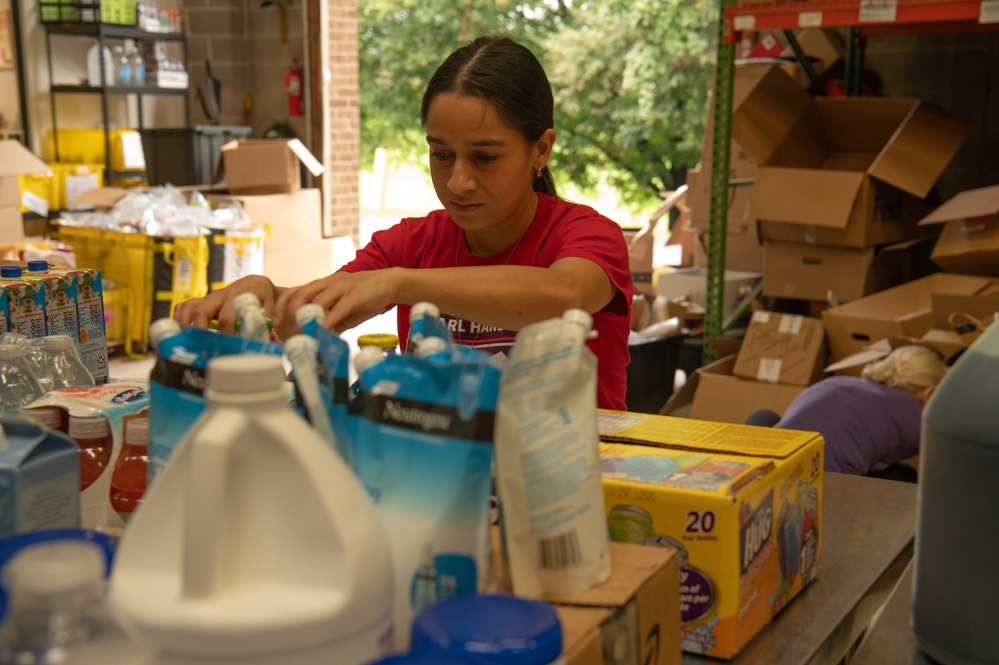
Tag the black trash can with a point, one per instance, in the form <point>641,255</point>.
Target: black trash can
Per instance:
<point>652,372</point>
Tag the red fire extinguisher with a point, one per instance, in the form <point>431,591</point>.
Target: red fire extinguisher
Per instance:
<point>293,84</point>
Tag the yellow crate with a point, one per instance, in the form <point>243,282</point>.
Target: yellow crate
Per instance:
<point>154,272</point>
<point>86,146</point>
<point>58,187</point>
<point>40,185</point>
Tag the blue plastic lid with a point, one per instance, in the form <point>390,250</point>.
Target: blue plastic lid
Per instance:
<point>430,657</point>
<point>14,544</point>
<point>38,265</point>
<point>498,628</point>
<point>10,271</point>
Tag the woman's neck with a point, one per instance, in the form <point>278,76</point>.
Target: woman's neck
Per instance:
<point>489,242</point>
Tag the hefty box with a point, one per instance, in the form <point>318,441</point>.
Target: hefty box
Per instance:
<point>742,504</point>
<point>782,348</point>
<point>266,166</point>
<point>848,172</point>
<point>969,241</point>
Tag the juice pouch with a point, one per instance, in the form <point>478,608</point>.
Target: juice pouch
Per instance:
<point>548,460</point>
<point>177,383</point>
<point>334,378</point>
<point>422,443</point>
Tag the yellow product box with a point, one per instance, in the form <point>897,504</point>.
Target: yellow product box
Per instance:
<point>742,504</point>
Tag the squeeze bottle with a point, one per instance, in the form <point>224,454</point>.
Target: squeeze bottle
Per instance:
<point>955,604</point>
<point>256,545</point>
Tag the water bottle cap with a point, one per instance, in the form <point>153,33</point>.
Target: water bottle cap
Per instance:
<point>300,343</point>
<point>10,272</point>
<point>88,427</point>
<point>245,373</point>
<point>501,629</point>
<point>310,312</point>
<point>429,346</point>
<point>422,309</point>
<point>160,329</point>
<point>57,342</point>
<point>38,265</point>
<point>137,431</point>
<point>55,567</point>
<point>366,357</point>
<point>244,301</point>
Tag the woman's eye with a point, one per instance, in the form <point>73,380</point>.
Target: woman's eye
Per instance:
<point>439,155</point>
<point>487,159</point>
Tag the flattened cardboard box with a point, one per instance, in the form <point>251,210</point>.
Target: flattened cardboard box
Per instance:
<point>969,242</point>
<point>782,348</point>
<point>742,504</point>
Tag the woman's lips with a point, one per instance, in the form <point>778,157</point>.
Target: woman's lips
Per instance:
<point>465,208</point>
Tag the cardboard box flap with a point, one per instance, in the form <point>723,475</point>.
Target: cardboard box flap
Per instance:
<point>697,435</point>
<point>768,111</point>
<point>969,204</point>
<point>920,150</point>
<point>633,567</point>
<point>101,198</point>
<point>15,159</point>
<point>822,198</point>
<point>306,157</point>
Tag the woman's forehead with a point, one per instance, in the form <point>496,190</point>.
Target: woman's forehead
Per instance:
<point>466,119</point>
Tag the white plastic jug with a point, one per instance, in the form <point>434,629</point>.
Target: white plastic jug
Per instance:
<point>257,544</point>
<point>955,603</point>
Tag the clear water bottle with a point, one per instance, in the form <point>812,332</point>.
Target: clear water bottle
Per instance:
<point>57,614</point>
<point>123,67</point>
<point>18,385</point>
<point>62,363</point>
<point>137,62</point>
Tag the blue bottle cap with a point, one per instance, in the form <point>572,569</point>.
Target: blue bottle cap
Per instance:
<point>10,272</point>
<point>429,657</point>
<point>38,265</point>
<point>500,629</point>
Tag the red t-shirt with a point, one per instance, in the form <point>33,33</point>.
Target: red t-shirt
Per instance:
<point>559,229</point>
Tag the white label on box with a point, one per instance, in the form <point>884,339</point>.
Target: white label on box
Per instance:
<point>878,11</point>
<point>131,151</point>
<point>769,371</point>
<point>78,184</point>
<point>35,203</point>
<point>810,19</point>
<point>790,324</point>
<point>744,22</point>
<point>182,274</point>
<point>989,12</point>
<point>612,423</point>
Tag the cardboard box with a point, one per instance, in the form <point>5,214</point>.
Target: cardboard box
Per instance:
<point>40,474</point>
<point>293,219</point>
<point>904,310</point>
<point>818,272</point>
<point>293,266</point>
<point>721,397</point>
<point>641,243</point>
<point>823,45</point>
<point>831,163</point>
<point>266,166</point>
<point>692,284</point>
<point>633,618</point>
<point>743,504</point>
<point>969,242</point>
<point>782,348</point>
<point>15,160</point>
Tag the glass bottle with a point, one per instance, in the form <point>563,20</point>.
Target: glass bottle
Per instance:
<point>62,363</point>
<point>18,385</point>
<point>92,435</point>
<point>128,480</point>
<point>57,613</point>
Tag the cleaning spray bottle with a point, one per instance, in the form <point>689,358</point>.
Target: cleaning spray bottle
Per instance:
<point>257,544</point>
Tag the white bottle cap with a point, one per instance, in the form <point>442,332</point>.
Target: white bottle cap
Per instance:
<point>243,302</point>
<point>137,431</point>
<point>55,567</point>
<point>88,427</point>
<point>429,346</point>
<point>245,373</point>
<point>300,344</point>
<point>422,309</point>
<point>160,329</point>
<point>580,317</point>
<point>57,342</point>
<point>49,416</point>
<point>366,357</point>
<point>310,312</point>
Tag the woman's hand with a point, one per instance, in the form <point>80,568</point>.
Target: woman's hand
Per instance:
<point>349,298</point>
<point>218,304</point>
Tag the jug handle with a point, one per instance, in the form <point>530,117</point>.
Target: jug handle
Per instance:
<point>206,534</point>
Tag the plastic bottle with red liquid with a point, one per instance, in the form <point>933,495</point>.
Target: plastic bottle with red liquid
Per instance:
<point>128,480</point>
<point>92,435</point>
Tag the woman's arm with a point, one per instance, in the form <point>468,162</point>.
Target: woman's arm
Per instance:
<point>503,296</point>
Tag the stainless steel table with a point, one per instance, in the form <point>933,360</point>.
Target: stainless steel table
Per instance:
<point>868,530</point>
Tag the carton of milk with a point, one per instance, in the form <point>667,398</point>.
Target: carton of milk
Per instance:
<point>39,478</point>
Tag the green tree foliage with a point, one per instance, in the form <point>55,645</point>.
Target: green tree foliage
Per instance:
<point>631,79</point>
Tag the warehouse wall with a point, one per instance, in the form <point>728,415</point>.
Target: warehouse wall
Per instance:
<point>959,72</point>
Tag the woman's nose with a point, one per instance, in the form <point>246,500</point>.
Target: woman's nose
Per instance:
<point>461,179</point>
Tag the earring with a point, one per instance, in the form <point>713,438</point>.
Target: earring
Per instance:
<point>537,173</point>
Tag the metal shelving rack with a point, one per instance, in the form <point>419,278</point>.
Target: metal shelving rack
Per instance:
<point>103,32</point>
<point>863,18</point>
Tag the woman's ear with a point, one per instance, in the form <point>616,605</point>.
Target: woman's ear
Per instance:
<point>924,395</point>
<point>543,147</point>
